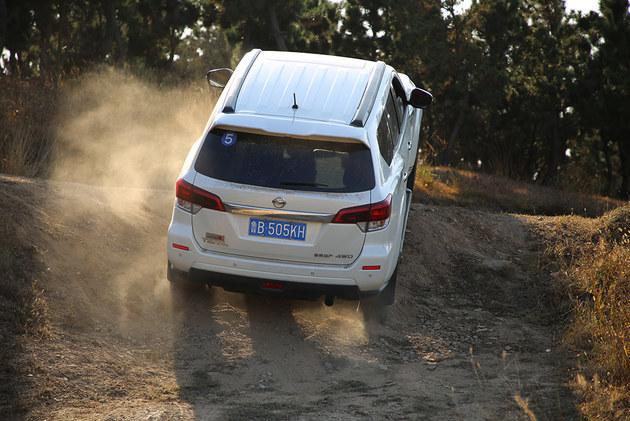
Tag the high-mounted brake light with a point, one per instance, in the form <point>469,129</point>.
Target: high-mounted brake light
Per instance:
<point>191,198</point>
<point>371,217</point>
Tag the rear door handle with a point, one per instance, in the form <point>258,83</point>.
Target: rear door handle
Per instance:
<point>405,175</point>
<point>409,145</point>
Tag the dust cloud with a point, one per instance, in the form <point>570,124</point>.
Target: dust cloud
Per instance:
<point>341,327</point>
<point>121,145</point>
<point>121,142</point>
<point>118,131</point>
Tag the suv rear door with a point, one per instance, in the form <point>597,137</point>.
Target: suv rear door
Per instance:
<point>280,195</point>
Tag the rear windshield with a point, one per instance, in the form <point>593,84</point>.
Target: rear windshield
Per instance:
<point>286,163</point>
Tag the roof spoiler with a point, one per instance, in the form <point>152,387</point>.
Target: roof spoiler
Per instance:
<point>239,77</point>
<point>369,95</point>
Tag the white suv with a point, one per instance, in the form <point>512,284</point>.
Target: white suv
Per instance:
<point>302,180</point>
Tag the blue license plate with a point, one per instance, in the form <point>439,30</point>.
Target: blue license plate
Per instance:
<point>277,229</point>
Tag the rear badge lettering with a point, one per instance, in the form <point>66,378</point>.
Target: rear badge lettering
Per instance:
<point>344,256</point>
<point>328,256</point>
<point>213,238</point>
<point>324,255</point>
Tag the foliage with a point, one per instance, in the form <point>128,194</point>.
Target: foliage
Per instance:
<point>26,137</point>
<point>523,88</point>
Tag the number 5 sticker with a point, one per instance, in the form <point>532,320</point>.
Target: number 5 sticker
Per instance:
<point>228,139</point>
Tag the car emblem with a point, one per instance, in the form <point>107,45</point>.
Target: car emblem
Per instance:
<point>279,202</point>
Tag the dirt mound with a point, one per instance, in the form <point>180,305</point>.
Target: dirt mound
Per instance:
<point>20,307</point>
<point>614,227</point>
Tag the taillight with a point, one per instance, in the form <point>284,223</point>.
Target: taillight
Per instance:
<point>368,217</point>
<point>192,199</point>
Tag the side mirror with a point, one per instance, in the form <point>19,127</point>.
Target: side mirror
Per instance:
<point>419,98</point>
<point>218,78</point>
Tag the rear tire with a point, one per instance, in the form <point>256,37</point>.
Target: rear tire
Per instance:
<point>375,310</point>
<point>179,280</point>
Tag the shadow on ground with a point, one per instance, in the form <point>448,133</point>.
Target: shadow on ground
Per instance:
<point>472,336</point>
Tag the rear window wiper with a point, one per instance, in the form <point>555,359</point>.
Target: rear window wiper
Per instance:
<point>295,183</point>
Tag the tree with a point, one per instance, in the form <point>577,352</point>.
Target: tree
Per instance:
<point>155,28</point>
<point>279,25</point>
<point>614,54</point>
<point>516,82</point>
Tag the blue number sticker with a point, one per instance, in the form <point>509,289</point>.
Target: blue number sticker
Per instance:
<point>228,139</point>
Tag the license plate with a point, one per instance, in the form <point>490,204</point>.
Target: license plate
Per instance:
<point>277,229</point>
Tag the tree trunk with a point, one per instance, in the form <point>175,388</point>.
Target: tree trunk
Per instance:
<point>446,154</point>
<point>609,170</point>
<point>113,45</point>
<point>528,158</point>
<point>456,128</point>
<point>4,18</point>
<point>275,29</point>
<point>624,157</point>
<point>43,20</point>
<point>62,35</point>
<point>431,154</point>
<point>554,154</point>
<point>172,44</point>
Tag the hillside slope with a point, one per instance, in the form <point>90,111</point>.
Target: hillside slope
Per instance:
<point>473,189</point>
<point>473,334</point>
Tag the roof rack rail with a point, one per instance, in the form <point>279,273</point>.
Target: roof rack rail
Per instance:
<point>239,77</point>
<point>369,95</point>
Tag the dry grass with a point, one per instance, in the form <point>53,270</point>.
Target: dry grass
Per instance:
<point>26,138</point>
<point>449,186</point>
<point>593,262</point>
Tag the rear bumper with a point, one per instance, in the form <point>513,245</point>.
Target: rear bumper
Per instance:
<point>235,273</point>
<point>245,284</point>
<point>232,269</point>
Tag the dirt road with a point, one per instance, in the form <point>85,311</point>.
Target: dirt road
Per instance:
<point>471,336</point>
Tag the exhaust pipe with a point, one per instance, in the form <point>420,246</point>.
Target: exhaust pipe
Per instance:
<point>329,300</point>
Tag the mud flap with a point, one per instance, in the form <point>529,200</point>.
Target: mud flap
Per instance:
<point>174,275</point>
